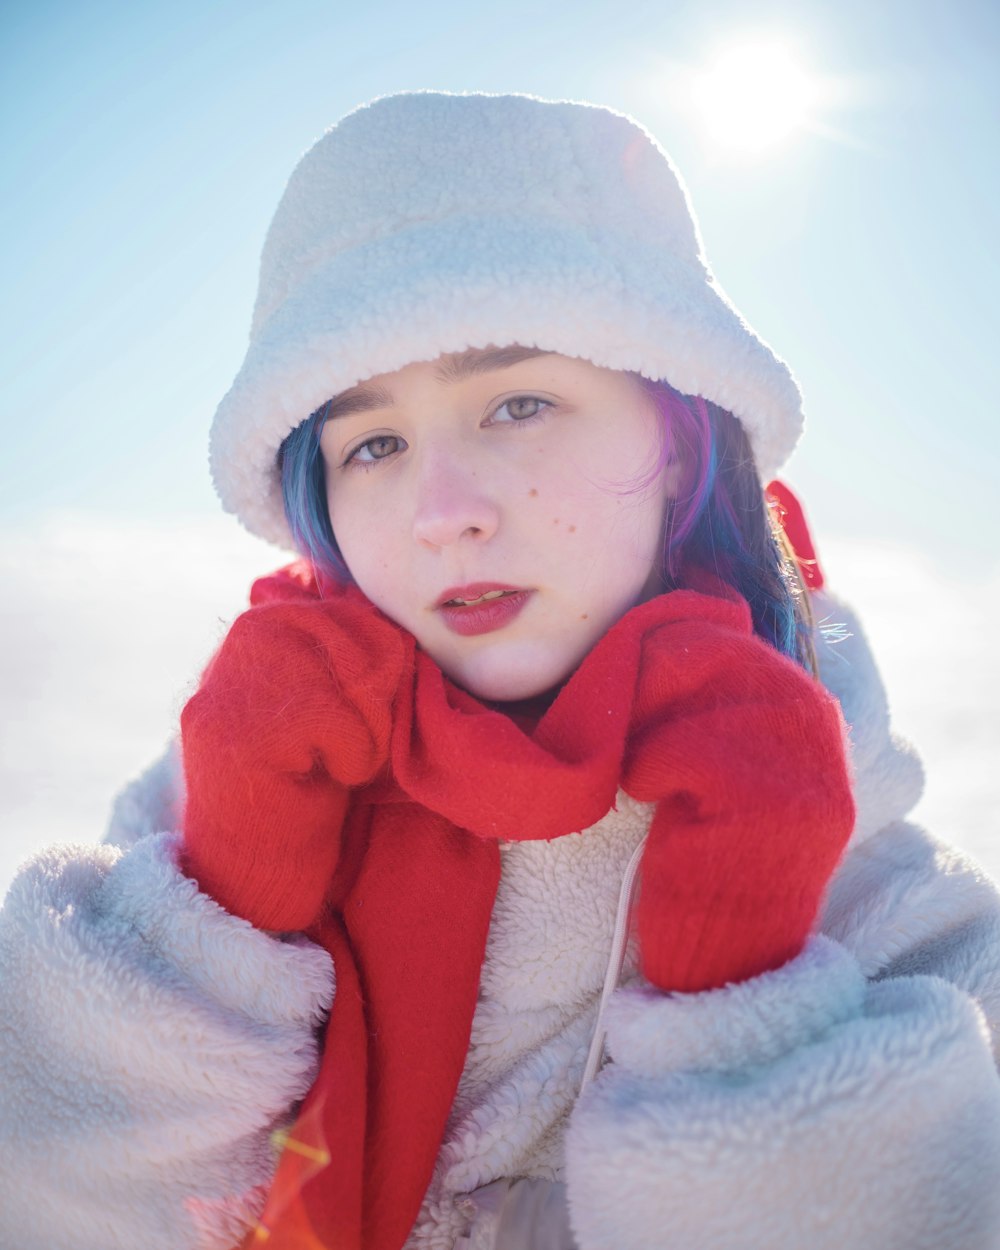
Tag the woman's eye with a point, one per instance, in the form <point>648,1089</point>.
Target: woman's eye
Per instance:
<point>378,448</point>
<point>522,408</point>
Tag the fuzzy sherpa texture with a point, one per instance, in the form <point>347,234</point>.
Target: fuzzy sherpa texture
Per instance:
<point>876,1133</point>
<point>427,222</point>
<point>905,904</point>
<point>151,1044</point>
<point>657,1034</point>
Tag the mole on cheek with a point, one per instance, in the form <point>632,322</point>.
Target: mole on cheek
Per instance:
<point>585,616</point>
<point>533,494</point>
<point>572,529</point>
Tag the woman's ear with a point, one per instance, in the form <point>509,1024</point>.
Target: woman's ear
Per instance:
<point>671,477</point>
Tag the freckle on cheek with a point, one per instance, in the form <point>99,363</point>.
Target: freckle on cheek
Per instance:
<point>572,529</point>
<point>585,616</point>
<point>533,493</point>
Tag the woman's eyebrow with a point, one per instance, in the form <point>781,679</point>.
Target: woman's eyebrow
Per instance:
<point>358,399</point>
<point>453,368</point>
<point>459,365</point>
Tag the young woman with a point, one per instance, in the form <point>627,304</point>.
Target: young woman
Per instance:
<point>360,965</point>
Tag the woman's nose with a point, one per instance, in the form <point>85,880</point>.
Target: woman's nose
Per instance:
<point>453,503</point>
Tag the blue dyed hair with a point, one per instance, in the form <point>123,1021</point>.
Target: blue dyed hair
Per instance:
<point>303,489</point>
<point>718,521</point>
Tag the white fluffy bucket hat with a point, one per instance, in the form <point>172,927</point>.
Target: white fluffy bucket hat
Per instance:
<point>426,222</point>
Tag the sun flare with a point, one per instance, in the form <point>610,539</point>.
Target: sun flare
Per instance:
<point>755,96</point>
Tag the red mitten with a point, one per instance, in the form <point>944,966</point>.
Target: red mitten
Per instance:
<point>754,804</point>
<point>293,711</point>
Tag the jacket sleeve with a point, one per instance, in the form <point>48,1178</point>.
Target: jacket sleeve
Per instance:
<point>849,1098</point>
<point>151,1045</point>
<point>154,1041</point>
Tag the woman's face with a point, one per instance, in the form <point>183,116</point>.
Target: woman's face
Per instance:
<point>487,502</point>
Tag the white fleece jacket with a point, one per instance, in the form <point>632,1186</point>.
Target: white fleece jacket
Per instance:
<point>150,1044</point>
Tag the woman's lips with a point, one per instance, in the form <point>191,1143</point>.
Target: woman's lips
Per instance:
<point>481,608</point>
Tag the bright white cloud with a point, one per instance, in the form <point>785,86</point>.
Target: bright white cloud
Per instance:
<point>107,626</point>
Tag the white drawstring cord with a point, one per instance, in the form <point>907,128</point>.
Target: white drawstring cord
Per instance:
<point>615,961</point>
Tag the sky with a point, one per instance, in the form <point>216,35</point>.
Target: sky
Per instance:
<point>145,148</point>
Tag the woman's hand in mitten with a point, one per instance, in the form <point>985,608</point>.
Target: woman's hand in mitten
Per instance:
<point>293,711</point>
<point>754,802</point>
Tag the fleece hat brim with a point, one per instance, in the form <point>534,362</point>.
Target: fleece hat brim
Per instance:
<point>430,223</point>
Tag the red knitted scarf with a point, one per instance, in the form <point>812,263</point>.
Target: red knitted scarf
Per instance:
<point>368,814</point>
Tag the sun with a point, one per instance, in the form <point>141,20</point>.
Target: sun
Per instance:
<point>755,96</point>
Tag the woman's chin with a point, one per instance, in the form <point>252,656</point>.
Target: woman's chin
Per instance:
<point>518,676</point>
